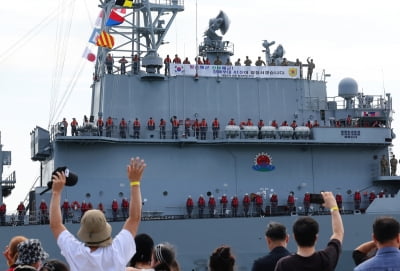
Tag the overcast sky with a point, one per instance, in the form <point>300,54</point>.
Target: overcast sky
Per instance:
<point>357,38</point>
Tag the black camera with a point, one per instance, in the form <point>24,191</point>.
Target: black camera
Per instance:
<point>316,198</point>
<point>71,178</point>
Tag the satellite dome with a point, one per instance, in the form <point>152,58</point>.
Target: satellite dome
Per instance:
<point>348,88</point>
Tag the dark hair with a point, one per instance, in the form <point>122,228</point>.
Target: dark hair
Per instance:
<point>144,249</point>
<point>305,231</point>
<point>54,265</point>
<point>222,259</point>
<point>164,254</point>
<point>276,231</point>
<point>385,229</point>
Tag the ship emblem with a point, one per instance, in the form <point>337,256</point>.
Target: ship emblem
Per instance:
<point>263,162</point>
<point>293,72</point>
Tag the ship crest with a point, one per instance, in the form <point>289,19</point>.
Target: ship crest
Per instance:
<point>263,162</point>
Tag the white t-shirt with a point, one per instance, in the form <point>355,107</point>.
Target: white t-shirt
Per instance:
<point>110,258</point>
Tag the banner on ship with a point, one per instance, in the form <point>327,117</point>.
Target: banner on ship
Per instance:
<point>289,72</point>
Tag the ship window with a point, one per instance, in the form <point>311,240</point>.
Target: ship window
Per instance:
<point>120,194</point>
<point>375,157</point>
<point>88,195</point>
<point>165,193</point>
<point>209,193</point>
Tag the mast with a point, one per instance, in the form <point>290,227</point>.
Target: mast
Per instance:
<point>8,184</point>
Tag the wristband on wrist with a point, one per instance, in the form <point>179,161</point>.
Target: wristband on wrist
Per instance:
<point>135,183</point>
<point>334,209</point>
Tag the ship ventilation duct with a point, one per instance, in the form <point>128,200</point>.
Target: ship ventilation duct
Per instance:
<point>348,89</point>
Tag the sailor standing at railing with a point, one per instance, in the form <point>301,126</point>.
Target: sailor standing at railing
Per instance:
<point>100,125</point>
<point>109,126</point>
<point>215,128</point>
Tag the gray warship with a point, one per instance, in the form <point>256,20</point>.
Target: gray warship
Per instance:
<point>336,144</point>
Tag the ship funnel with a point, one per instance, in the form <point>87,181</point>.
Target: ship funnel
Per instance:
<point>348,89</point>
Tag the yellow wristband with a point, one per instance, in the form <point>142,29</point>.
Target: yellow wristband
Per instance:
<point>334,209</point>
<point>135,183</point>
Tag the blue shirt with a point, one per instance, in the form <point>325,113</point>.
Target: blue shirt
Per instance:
<point>386,258</point>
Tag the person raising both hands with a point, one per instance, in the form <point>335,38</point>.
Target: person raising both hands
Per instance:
<point>96,249</point>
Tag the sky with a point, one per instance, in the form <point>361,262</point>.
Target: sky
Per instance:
<point>44,78</point>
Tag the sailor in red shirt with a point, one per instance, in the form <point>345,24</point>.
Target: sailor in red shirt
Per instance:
<point>175,127</point>
<point>100,125</point>
<point>84,208</point>
<point>203,129</point>
<point>381,194</point>
<point>234,205</point>
<point>215,128</point>
<point>66,208</point>
<point>3,210</point>
<point>307,203</point>
<point>259,204</point>
<point>294,126</point>
<point>186,61</point>
<point>249,122</point>
<point>64,126</point>
<point>74,127</point>
<point>211,206</point>
<point>199,62</point>
<point>43,212</point>
<point>101,207</point>
<point>290,202</point>
<point>189,206</point>
<point>274,203</point>
<point>162,125</point>
<point>232,122</point>
<point>372,196</point>
<point>274,124</point>
<point>309,124</point>
<point>151,125</point>
<point>136,128</point>
<point>89,206</point>
<point>196,128</point>
<point>188,125</point>
<point>357,200</point>
<point>224,203</point>
<point>109,126</point>
<point>21,213</point>
<point>177,60</point>
<point>122,128</point>
<point>339,201</point>
<point>284,123</point>
<point>125,207</point>
<point>206,61</point>
<point>316,124</point>
<point>201,204</point>
<point>348,121</point>
<point>167,62</point>
<point>75,205</point>
<point>114,208</point>
<point>246,204</point>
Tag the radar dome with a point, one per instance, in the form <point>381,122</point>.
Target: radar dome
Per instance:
<point>348,88</point>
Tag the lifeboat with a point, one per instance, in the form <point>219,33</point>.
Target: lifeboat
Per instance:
<point>285,132</point>
<point>250,131</point>
<point>232,131</point>
<point>268,132</point>
<point>302,132</point>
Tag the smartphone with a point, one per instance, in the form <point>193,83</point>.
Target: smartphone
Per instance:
<point>316,198</point>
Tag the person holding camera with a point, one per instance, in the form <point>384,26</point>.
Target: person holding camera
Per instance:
<point>97,250</point>
<point>305,231</point>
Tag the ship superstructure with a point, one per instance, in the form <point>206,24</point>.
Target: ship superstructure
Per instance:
<point>329,143</point>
